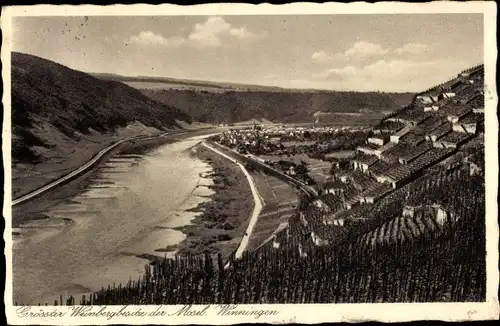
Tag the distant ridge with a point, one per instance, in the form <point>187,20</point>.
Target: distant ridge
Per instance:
<point>225,102</point>
<point>186,82</point>
<point>285,106</point>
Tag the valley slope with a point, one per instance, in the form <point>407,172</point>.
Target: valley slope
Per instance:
<point>62,117</point>
<point>215,102</point>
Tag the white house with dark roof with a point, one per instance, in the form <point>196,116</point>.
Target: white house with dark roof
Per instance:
<point>467,124</point>
<point>424,99</point>
<point>378,140</point>
<point>432,108</point>
<point>446,95</point>
<point>397,136</point>
<point>363,162</point>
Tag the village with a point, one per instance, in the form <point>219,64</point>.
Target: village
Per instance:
<point>356,168</point>
<point>305,153</point>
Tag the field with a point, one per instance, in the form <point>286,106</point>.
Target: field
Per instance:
<point>280,201</point>
<point>174,86</point>
<point>318,169</point>
<point>349,119</point>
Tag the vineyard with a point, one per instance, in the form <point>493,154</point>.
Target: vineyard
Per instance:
<point>393,258</point>
<point>405,222</point>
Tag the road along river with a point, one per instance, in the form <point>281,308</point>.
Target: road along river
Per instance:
<point>257,207</point>
<point>95,238</point>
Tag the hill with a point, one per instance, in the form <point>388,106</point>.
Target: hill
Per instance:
<point>284,106</point>
<point>64,116</point>
<point>176,83</point>
<point>74,102</point>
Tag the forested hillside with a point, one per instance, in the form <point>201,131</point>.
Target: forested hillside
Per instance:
<point>233,106</point>
<point>50,98</point>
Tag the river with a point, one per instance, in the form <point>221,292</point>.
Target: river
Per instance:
<point>95,238</point>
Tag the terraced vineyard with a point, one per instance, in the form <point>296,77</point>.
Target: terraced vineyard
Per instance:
<point>404,259</point>
<point>405,222</point>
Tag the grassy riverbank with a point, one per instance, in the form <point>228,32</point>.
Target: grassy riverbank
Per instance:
<point>223,220</point>
<point>46,172</point>
<point>70,154</point>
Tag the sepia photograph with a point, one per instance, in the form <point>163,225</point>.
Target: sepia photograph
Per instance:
<point>243,161</point>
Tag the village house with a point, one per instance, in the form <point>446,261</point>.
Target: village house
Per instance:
<point>335,187</point>
<point>439,131</point>
<point>379,140</point>
<point>409,210</point>
<point>339,222</point>
<point>446,96</point>
<point>303,220</point>
<point>432,108</point>
<point>397,136</point>
<point>320,204</point>
<point>474,169</point>
<point>413,154</point>
<point>340,164</point>
<point>397,176</point>
<point>363,162</point>
<point>343,175</point>
<point>375,193</point>
<point>413,138</point>
<point>454,139</point>
<point>466,125</point>
<point>376,141</point>
<point>291,171</point>
<point>434,211</point>
<point>352,202</point>
<point>276,244</point>
<point>367,149</point>
<point>455,112</point>
<point>440,214</point>
<point>302,252</point>
<point>424,99</point>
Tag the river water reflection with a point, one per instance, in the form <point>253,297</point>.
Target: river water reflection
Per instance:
<point>95,238</point>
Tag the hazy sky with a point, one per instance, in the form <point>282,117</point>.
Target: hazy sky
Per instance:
<point>397,52</point>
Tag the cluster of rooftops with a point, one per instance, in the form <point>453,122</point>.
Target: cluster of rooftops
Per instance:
<point>435,129</point>
<point>403,145</point>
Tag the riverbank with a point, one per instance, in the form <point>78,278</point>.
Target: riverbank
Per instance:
<point>29,177</point>
<point>65,155</point>
<point>221,222</point>
<point>104,226</point>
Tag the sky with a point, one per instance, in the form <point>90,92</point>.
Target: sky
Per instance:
<point>363,52</point>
